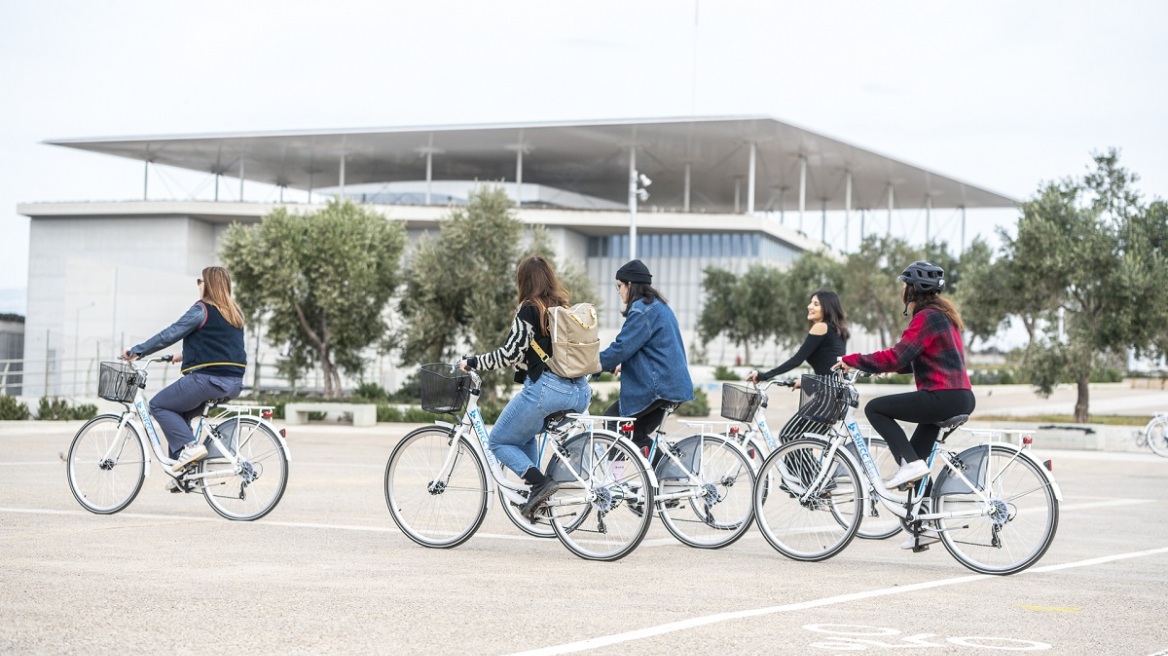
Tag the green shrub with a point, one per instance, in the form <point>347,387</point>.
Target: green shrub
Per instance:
<point>725,373</point>
<point>409,392</point>
<point>370,392</point>
<point>59,410</point>
<point>699,407</point>
<point>888,379</point>
<point>12,410</point>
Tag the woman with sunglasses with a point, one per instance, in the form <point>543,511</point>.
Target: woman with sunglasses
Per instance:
<point>213,362</point>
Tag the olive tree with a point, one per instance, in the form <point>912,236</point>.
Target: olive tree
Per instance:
<point>323,280</point>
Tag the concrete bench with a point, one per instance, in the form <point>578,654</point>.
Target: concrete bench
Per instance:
<point>363,414</point>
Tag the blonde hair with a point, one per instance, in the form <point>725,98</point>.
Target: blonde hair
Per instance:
<point>217,292</point>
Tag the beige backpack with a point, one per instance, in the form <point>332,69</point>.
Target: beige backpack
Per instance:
<point>575,336</point>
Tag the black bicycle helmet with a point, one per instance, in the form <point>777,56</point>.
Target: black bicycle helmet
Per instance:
<point>923,277</point>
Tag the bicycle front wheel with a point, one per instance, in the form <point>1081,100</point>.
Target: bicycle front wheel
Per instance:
<point>606,516</point>
<point>1157,436</point>
<point>1009,530</point>
<point>720,508</point>
<point>436,488</point>
<point>252,487</point>
<point>802,514</point>
<point>107,465</point>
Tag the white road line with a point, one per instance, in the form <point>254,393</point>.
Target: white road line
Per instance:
<point>684,625</point>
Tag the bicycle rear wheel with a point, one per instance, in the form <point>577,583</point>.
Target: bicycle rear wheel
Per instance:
<point>607,516</point>
<point>721,509</point>
<point>801,523</point>
<point>106,466</point>
<point>253,487</point>
<point>878,522</point>
<point>436,506</point>
<point>1017,526</point>
<point>1157,436</point>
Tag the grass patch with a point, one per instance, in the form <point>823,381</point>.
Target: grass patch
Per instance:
<point>1106,420</point>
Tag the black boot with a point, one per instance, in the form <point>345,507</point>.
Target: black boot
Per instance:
<point>542,487</point>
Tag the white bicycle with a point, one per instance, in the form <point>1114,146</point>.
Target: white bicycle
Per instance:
<point>243,476</point>
<point>748,404</point>
<point>438,489</point>
<point>1155,435</point>
<point>993,505</point>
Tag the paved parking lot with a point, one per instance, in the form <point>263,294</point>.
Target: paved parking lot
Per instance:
<point>327,572</point>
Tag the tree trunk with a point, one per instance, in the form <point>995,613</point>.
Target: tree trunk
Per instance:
<point>746,349</point>
<point>1081,402</point>
<point>331,390</point>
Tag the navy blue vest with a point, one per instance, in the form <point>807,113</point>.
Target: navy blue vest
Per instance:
<point>215,348</point>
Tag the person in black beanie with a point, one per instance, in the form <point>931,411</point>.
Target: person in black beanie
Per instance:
<point>649,352</point>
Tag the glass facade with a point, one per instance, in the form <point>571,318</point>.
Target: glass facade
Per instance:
<point>678,262</point>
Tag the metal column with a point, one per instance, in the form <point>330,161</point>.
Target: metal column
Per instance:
<point>685,198</point>
<point>847,208</point>
<point>891,201</point>
<point>632,202</point>
<point>802,190</point>
<point>750,178</point>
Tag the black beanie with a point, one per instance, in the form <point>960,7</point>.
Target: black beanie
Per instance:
<point>634,271</point>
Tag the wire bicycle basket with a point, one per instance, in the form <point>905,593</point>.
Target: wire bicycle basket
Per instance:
<point>740,402</point>
<point>117,381</point>
<point>443,391</point>
<point>825,399</point>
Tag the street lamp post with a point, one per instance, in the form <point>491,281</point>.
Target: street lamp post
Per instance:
<point>77,344</point>
<point>637,192</point>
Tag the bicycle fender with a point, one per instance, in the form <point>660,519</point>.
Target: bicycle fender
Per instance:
<point>975,454</point>
<point>279,436</point>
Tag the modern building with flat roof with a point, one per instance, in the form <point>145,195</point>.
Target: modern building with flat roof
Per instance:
<point>725,192</point>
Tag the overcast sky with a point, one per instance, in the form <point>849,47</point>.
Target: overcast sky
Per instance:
<point>1003,95</point>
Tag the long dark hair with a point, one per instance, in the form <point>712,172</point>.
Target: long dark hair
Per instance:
<point>943,305</point>
<point>641,290</point>
<point>538,285</point>
<point>833,313</point>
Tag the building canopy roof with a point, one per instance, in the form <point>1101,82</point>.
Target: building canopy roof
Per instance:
<point>590,157</point>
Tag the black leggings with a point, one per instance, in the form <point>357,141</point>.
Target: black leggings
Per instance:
<point>648,421</point>
<point>924,409</point>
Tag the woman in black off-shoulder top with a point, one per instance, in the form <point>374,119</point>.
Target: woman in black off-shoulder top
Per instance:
<point>826,342</point>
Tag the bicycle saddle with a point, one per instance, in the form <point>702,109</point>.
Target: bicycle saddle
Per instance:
<point>953,422</point>
<point>554,420</point>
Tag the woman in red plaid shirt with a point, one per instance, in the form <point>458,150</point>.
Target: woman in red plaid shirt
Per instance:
<point>930,348</point>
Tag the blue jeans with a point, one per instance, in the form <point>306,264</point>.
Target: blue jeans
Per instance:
<point>512,438</point>
<point>181,401</point>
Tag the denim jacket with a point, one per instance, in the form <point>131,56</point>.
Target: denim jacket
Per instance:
<point>650,351</point>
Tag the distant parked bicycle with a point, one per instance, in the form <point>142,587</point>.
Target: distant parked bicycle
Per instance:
<point>243,476</point>
<point>1155,435</point>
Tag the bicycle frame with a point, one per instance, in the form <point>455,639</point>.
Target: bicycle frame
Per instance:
<point>472,421</point>
<point>692,479</point>
<point>902,505</point>
<point>149,437</point>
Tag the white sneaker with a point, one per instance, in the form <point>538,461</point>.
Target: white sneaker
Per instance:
<point>190,453</point>
<point>926,537</point>
<point>913,471</point>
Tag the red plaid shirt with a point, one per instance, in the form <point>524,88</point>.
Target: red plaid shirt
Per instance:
<point>930,348</point>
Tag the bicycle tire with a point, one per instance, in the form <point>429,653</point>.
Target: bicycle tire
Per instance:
<point>252,489</point>
<point>1017,528</point>
<point>106,468</point>
<point>721,508</point>
<point>599,519</point>
<point>802,524</point>
<point>1156,435</point>
<point>436,514</point>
